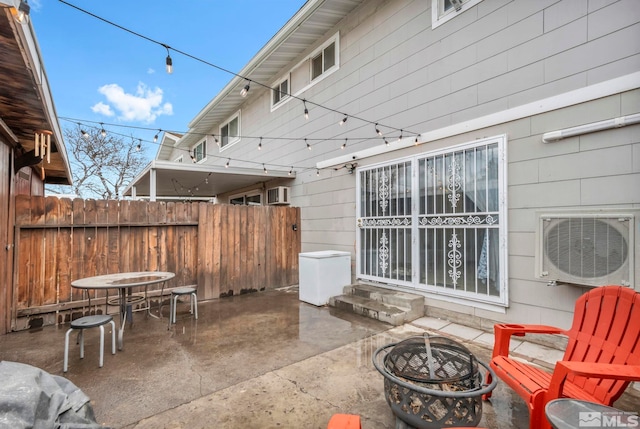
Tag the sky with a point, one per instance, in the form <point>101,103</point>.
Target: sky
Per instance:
<point>101,73</point>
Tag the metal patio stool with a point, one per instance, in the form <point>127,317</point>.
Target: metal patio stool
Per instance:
<point>173,302</point>
<point>87,322</point>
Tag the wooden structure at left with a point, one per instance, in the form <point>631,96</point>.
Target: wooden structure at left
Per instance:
<point>224,249</point>
<point>32,150</point>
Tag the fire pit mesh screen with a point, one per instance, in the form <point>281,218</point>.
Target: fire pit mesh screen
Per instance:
<point>432,382</point>
<point>433,360</point>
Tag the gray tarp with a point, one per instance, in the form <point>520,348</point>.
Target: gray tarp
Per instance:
<point>33,398</point>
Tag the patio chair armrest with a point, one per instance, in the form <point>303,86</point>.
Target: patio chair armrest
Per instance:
<point>504,331</point>
<point>589,369</point>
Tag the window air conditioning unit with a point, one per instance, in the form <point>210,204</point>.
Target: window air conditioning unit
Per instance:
<point>278,195</point>
<point>587,249</point>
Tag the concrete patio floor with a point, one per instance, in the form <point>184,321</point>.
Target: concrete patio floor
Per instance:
<point>261,360</point>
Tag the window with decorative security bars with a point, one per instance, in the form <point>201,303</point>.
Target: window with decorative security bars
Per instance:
<point>435,222</point>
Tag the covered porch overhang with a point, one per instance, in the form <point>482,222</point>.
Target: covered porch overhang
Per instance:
<point>166,180</point>
<point>26,103</point>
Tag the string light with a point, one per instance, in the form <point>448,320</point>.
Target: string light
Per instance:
<point>84,134</point>
<point>308,145</point>
<point>378,132</point>
<point>260,144</point>
<point>385,141</point>
<point>306,111</point>
<point>227,164</point>
<point>170,65</point>
<point>344,144</point>
<point>317,172</point>
<point>291,171</point>
<point>23,12</point>
<point>103,132</point>
<point>341,123</point>
<point>265,169</point>
<point>416,142</point>
<point>169,61</point>
<point>139,145</point>
<point>245,90</point>
<point>400,138</point>
<point>155,138</point>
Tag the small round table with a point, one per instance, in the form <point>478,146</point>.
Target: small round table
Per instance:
<point>123,282</point>
<point>568,413</point>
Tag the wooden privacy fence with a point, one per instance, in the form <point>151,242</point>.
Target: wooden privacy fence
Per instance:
<point>224,249</point>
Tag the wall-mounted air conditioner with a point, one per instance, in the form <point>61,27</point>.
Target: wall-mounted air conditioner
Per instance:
<point>278,195</point>
<point>587,249</point>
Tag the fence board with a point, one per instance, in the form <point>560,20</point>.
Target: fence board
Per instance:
<point>225,250</point>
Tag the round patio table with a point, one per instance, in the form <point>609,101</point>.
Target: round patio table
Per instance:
<point>123,282</point>
<point>568,413</point>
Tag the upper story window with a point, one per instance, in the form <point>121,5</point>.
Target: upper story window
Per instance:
<point>200,151</point>
<point>280,91</point>
<point>323,61</point>
<point>230,131</point>
<point>444,10</point>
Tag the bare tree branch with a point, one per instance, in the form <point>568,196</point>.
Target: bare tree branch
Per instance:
<point>102,165</point>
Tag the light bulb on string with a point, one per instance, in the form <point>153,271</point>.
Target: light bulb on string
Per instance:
<point>341,123</point>
<point>265,169</point>
<point>385,141</point>
<point>260,144</point>
<point>155,138</point>
<point>245,89</point>
<point>291,171</point>
<point>103,132</point>
<point>344,144</point>
<point>317,172</point>
<point>308,145</point>
<point>169,61</point>
<point>227,164</point>
<point>306,111</point>
<point>139,146</point>
<point>378,132</point>
<point>400,138</point>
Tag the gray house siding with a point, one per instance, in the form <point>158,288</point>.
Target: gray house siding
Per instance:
<point>498,55</point>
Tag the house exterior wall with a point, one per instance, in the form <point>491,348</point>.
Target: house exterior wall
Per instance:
<point>496,56</point>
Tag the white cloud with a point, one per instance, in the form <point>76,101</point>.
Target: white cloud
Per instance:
<point>145,105</point>
<point>151,71</point>
<point>102,109</point>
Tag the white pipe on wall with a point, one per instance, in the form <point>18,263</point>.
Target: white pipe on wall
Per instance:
<point>591,128</point>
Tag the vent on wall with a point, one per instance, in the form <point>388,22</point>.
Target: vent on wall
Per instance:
<point>591,250</point>
<point>278,195</point>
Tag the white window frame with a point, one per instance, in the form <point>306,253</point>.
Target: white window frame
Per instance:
<point>276,87</point>
<point>333,39</point>
<point>202,143</point>
<point>497,304</point>
<point>320,51</point>
<point>439,16</point>
<point>245,195</point>
<point>235,139</point>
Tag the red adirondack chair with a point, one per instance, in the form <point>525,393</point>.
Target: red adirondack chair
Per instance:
<point>602,355</point>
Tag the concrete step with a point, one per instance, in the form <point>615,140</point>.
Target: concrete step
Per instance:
<point>393,307</point>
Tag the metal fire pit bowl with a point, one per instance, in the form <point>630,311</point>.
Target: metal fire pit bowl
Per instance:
<point>432,382</point>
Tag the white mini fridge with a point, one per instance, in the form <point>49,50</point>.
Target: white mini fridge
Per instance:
<point>323,274</point>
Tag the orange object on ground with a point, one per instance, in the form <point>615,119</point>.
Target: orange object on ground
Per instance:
<point>602,355</point>
<point>344,421</point>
